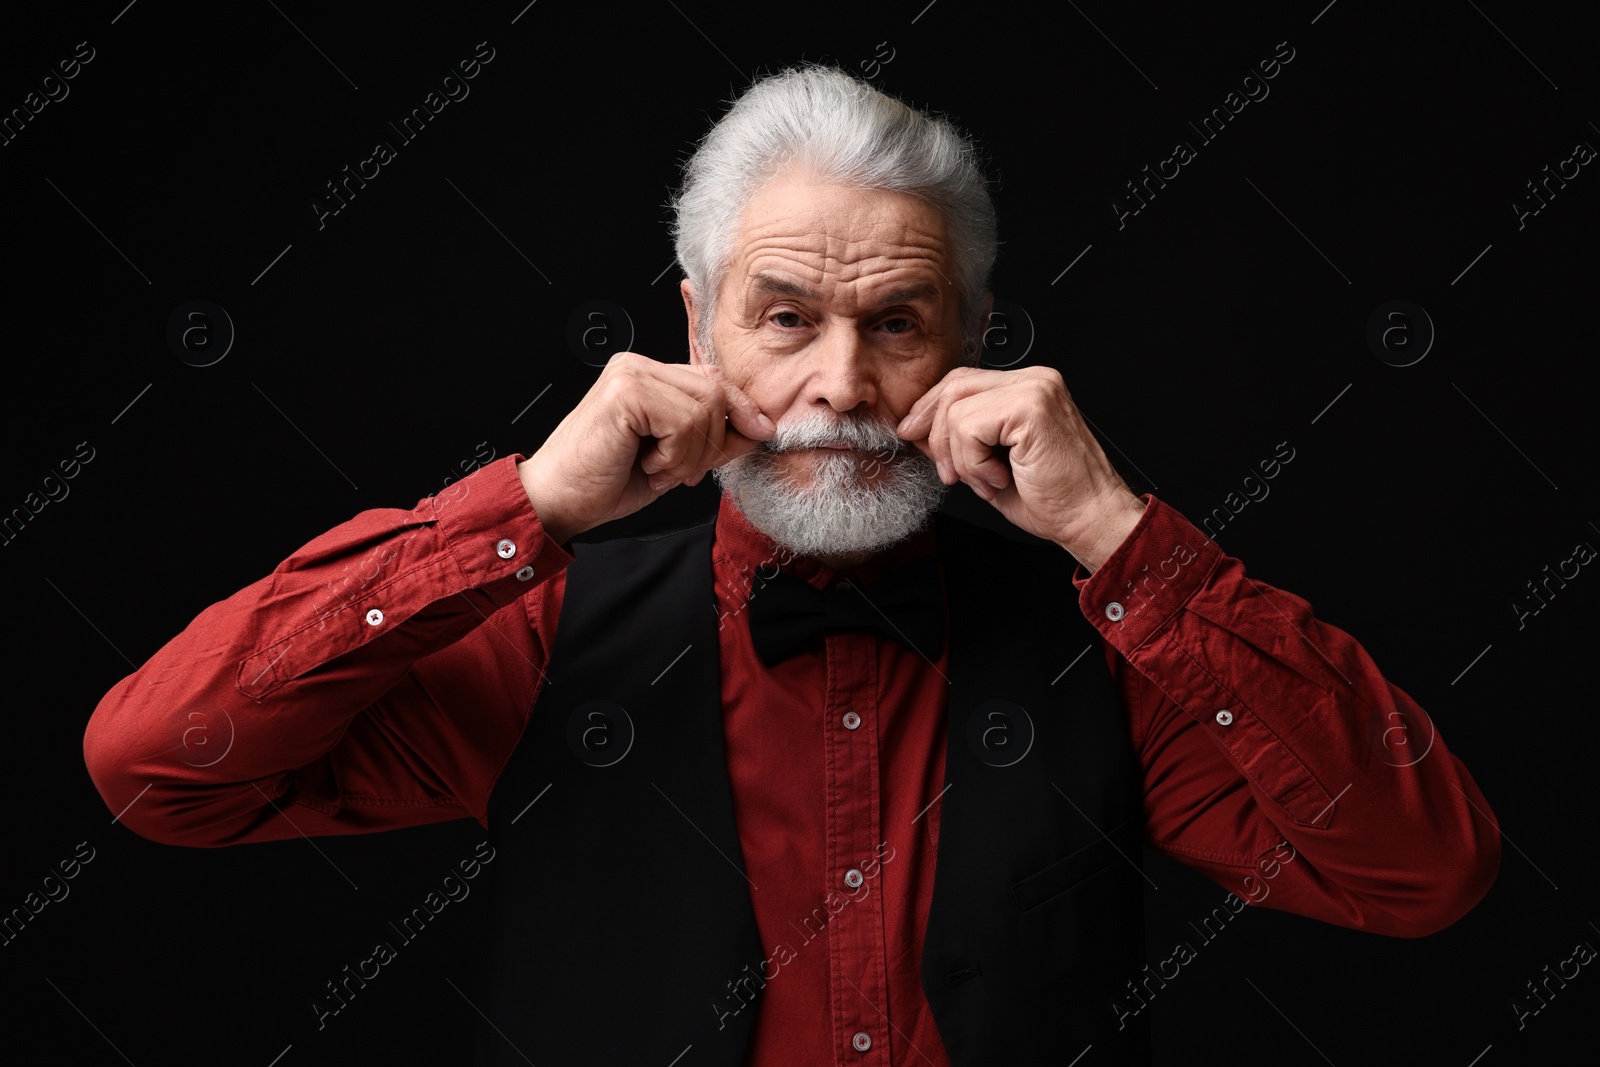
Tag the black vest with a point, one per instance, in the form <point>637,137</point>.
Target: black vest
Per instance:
<point>620,911</point>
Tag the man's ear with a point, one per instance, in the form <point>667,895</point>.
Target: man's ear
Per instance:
<point>693,314</point>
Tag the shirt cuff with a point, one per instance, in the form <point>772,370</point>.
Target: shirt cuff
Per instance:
<point>1164,560</point>
<point>494,534</point>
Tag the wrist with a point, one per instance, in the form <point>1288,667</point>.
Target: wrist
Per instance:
<point>555,527</point>
<point>1114,520</point>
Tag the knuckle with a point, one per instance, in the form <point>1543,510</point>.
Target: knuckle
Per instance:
<point>634,365</point>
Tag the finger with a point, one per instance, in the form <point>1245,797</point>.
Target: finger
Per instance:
<point>921,445</point>
<point>916,423</point>
<point>672,462</point>
<point>939,440</point>
<point>734,445</point>
<point>976,435</point>
<point>703,437</point>
<point>744,414</point>
<point>681,423</point>
<point>707,421</point>
<point>741,410</point>
<point>956,383</point>
<point>733,425</point>
<point>919,419</point>
<point>666,419</point>
<point>678,415</point>
<point>997,469</point>
<point>978,463</point>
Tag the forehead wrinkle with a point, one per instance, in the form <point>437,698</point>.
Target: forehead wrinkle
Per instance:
<point>803,239</point>
<point>817,256</point>
<point>874,206</point>
<point>812,234</point>
<point>881,281</point>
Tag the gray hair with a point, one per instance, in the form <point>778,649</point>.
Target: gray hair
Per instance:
<point>847,132</point>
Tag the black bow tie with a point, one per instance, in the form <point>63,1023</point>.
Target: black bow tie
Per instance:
<point>906,604</point>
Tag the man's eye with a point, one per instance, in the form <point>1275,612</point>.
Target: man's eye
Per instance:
<point>787,319</point>
<point>898,325</point>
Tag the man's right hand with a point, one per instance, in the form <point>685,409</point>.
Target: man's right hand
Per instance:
<point>642,428</point>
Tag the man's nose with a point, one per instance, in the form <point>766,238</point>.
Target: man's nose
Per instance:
<point>844,373</point>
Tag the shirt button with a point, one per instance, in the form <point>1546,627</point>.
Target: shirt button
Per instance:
<point>525,573</point>
<point>862,1041</point>
<point>507,548</point>
<point>851,720</point>
<point>374,617</point>
<point>1114,611</point>
<point>853,878</point>
<point>1225,717</point>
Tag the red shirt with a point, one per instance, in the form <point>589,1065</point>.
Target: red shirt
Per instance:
<point>325,686</point>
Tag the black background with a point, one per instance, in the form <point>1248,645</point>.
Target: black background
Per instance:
<point>379,350</point>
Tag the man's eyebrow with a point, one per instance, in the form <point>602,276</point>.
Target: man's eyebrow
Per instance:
<point>909,294</point>
<point>772,285</point>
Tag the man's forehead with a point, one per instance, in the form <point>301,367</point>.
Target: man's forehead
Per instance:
<point>903,284</point>
<point>807,231</point>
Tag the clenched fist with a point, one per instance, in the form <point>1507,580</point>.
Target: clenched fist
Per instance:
<point>642,428</point>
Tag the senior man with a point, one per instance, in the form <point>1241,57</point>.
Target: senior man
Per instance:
<point>827,778</point>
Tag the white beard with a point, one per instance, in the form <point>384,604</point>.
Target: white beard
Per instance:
<point>839,513</point>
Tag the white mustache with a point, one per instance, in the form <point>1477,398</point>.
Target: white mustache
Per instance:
<point>867,435</point>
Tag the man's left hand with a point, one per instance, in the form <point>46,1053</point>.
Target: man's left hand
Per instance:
<point>1017,439</point>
